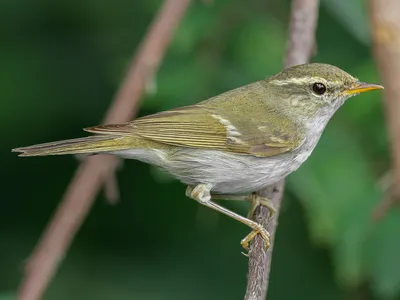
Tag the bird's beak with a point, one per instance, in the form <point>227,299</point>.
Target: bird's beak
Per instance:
<point>360,87</point>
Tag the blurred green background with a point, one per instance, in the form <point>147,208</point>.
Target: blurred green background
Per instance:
<point>62,62</point>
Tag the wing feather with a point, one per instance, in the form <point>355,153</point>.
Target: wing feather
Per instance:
<point>208,126</point>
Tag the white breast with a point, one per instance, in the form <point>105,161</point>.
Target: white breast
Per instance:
<point>226,172</point>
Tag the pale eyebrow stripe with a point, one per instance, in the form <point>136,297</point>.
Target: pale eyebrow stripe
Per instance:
<point>297,81</point>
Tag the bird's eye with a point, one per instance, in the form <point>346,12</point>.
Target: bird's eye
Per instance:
<point>319,88</point>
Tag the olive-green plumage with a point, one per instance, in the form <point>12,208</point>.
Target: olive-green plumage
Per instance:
<point>236,142</point>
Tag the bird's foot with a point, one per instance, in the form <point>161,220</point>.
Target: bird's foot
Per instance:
<point>257,229</point>
<point>257,200</point>
<point>201,193</point>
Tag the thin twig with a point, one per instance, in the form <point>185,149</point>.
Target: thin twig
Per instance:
<point>93,171</point>
<point>386,39</point>
<point>259,258</point>
<point>301,44</point>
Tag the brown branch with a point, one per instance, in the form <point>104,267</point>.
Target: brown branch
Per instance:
<point>301,45</point>
<point>259,258</point>
<point>93,171</point>
<point>385,28</point>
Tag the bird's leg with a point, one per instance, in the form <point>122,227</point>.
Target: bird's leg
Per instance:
<point>201,193</point>
<point>255,200</point>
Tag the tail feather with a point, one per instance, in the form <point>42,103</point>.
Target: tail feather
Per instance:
<point>90,144</point>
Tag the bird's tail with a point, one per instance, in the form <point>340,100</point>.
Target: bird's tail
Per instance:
<point>90,144</point>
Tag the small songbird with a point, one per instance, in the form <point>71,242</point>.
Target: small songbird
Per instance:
<point>233,144</point>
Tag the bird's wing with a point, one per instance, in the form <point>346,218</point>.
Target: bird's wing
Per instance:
<point>230,126</point>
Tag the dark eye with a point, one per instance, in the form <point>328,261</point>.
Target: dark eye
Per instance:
<point>319,88</point>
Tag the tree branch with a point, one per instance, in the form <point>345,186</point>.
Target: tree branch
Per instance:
<point>90,175</point>
<point>386,39</point>
<point>301,45</point>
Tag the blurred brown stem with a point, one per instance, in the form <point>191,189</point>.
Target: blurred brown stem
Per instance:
<point>90,175</point>
<point>385,20</point>
<point>301,45</point>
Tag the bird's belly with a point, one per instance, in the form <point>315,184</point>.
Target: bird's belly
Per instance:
<point>228,173</point>
<point>231,173</point>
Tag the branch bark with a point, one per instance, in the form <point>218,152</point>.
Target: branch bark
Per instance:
<point>301,44</point>
<point>385,29</point>
<point>92,173</point>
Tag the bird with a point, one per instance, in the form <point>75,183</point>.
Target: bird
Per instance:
<point>231,145</point>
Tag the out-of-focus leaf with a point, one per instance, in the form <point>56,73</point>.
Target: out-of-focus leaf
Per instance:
<point>352,14</point>
<point>338,191</point>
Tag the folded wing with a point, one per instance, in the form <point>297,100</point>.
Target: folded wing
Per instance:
<point>206,126</point>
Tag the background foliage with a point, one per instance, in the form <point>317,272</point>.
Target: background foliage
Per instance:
<point>61,63</point>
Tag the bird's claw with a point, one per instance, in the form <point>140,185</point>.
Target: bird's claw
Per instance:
<point>259,229</point>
